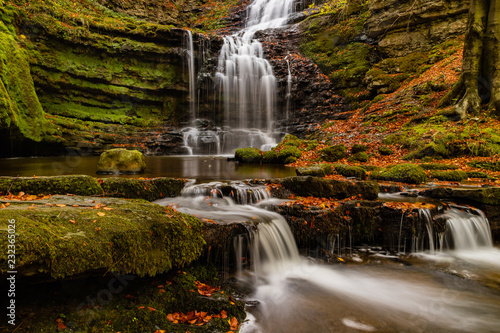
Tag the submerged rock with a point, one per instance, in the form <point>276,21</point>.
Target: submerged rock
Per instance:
<point>121,161</point>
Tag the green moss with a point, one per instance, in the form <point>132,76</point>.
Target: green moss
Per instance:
<point>329,188</point>
<point>359,157</point>
<point>20,110</point>
<point>289,154</point>
<point>79,185</point>
<point>479,174</point>
<point>270,157</point>
<point>148,189</point>
<point>333,153</point>
<point>134,235</point>
<point>248,155</point>
<point>454,175</point>
<point>357,148</point>
<point>350,171</point>
<point>317,170</point>
<point>406,173</point>
<point>492,166</point>
<point>289,140</point>
<point>383,150</point>
<point>120,160</point>
<point>327,40</point>
<point>438,166</point>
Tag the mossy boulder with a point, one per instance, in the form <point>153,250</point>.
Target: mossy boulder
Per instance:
<point>438,166</point>
<point>405,173</point>
<point>359,157</point>
<point>148,189</point>
<point>290,140</point>
<point>357,148</point>
<point>487,196</point>
<point>68,235</point>
<point>317,170</point>
<point>383,150</point>
<point>492,166</point>
<point>333,153</point>
<point>121,161</point>
<point>479,174</point>
<point>248,155</point>
<point>289,154</point>
<point>328,188</point>
<point>270,157</point>
<point>350,171</point>
<point>79,185</point>
<point>451,175</point>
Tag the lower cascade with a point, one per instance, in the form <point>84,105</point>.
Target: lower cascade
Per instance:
<point>291,293</point>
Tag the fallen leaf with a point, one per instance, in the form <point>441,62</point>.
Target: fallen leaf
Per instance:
<point>60,205</point>
<point>101,214</point>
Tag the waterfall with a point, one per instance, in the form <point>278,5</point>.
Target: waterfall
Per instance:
<point>192,78</point>
<point>467,229</point>
<point>244,77</point>
<point>288,95</point>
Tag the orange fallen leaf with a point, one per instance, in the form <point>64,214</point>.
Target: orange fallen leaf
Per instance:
<point>60,205</point>
<point>101,214</point>
<point>72,221</point>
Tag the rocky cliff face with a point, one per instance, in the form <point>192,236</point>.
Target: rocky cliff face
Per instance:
<point>103,79</point>
<point>113,73</point>
<point>405,26</point>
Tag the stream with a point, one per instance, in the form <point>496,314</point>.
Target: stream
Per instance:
<point>443,290</point>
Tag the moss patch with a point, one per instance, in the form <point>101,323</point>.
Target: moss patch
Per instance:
<point>121,160</point>
<point>149,189</point>
<point>79,185</point>
<point>64,236</point>
<point>405,173</point>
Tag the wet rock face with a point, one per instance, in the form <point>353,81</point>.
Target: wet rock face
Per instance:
<point>311,98</point>
<point>163,12</point>
<point>404,26</point>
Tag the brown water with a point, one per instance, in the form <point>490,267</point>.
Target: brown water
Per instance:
<point>201,168</point>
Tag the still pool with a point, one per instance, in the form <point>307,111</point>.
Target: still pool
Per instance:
<point>202,168</point>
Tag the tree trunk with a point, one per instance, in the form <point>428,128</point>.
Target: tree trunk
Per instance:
<point>491,57</point>
<point>473,58</point>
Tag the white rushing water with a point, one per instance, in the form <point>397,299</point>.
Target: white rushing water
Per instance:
<point>296,295</point>
<point>246,83</point>
<point>192,77</point>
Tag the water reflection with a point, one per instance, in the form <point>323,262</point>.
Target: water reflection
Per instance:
<point>202,168</point>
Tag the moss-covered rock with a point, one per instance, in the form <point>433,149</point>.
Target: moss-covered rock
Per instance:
<point>333,153</point>
<point>79,185</point>
<point>20,110</point>
<point>270,157</point>
<point>479,174</point>
<point>492,166</point>
<point>289,154</point>
<point>438,166</point>
<point>406,173</point>
<point>248,155</point>
<point>452,175</point>
<point>317,170</point>
<point>121,161</point>
<point>488,196</point>
<point>350,171</point>
<point>357,148</point>
<point>383,150</point>
<point>65,235</point>
<point>359,157</point>
<point>328,188</point>
<point>148,189</point>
